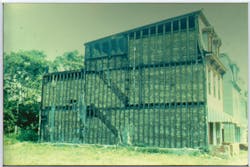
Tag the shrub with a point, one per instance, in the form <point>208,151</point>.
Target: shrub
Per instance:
<point>28,135</point>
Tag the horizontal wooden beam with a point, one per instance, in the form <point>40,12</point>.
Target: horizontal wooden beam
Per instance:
<point>132,106</point>
<point>141,66</point>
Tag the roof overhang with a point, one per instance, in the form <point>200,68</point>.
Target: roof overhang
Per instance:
<point>203,18</point>
<point>216,63</point>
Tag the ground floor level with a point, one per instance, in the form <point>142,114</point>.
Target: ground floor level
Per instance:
<point>167,126</point>
<point>226,132</point>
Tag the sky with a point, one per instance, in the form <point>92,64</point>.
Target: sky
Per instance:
<point>59,28</point>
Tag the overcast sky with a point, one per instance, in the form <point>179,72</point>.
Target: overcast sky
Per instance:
<point>58,28</point>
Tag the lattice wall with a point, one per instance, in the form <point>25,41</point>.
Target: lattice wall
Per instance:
<point>141,87</point>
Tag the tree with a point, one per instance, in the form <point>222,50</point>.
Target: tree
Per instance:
<point>68,61</point>
<point>22,88</point>
<point>23,72</point>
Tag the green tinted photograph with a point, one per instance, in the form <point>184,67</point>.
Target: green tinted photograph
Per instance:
<point>125,84</point>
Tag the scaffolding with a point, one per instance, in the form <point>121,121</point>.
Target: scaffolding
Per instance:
<point>144,87</point>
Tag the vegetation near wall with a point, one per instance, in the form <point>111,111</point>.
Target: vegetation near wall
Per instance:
<point>23,71</point>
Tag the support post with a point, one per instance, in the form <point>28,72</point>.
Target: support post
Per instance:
<point>214,134</point>
<point>220,130</point>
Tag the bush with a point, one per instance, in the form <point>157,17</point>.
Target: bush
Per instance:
<point>28,135</point>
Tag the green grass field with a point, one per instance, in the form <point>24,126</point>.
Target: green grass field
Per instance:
<point>27,153</point>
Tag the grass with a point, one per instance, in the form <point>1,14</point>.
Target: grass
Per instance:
<point>28,153</point>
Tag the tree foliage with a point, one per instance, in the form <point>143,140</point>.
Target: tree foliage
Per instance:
<point>23,72</point>
<point>22,85</point>
<point>68,61</point>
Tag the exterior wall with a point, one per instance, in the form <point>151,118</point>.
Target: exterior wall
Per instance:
<point>229,133</point>
<point>243,135</point>
<point>228,94</point>
<point>244,117</point>
<point>214,90</point>
<point>231,94</point>
<point>63,108</point>
<point>154,91</point>
<point>235,103</point>
<point>214,105</point>
<point>144,87</point>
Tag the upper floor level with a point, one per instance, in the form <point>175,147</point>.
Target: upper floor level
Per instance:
<point>185,38</point>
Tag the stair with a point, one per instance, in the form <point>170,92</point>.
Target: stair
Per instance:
<point>122,96</point>
<point>92,111</point>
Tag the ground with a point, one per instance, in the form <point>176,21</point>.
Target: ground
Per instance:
<point>28,153</point>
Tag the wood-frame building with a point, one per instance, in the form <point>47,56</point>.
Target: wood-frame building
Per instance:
<point>148,86</point>
<point>235,103</point>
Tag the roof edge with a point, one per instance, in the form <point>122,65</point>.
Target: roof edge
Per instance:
<point>197,12</point>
